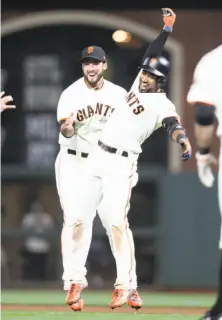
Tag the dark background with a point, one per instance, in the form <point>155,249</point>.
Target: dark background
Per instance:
<point>105,5</point>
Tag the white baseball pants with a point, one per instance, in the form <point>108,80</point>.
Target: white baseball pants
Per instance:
<point>110,178</point>
<point>79,201</point>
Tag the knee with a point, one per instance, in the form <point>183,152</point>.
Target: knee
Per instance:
<point>118,235</point>
<point>75,225</point>
<point>116,229</point>
<point>118,222</point>
<point>78,230</point>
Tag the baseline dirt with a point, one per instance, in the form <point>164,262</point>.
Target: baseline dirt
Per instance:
<point>98,309</point>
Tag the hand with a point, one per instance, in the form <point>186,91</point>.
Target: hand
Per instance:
<point>204,168</point>
<point>4,102</point>
<point>186,148</point>
<point>70,121</point>
<point>169,17</point>
<point>67,128</point>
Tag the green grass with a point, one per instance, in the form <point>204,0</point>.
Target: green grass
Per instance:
<point>57,298</point>
<point>102,298</point>
<point>89,316</point>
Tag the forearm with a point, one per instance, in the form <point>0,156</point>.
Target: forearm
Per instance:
<point>177,135</point>
<point>174,128</point>
<point>157,45</point>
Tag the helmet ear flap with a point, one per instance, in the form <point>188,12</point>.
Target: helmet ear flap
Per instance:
<point>162,81</point>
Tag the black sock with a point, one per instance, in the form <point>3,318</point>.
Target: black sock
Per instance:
<point>217,307</point>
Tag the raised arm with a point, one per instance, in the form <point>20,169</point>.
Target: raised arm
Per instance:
<point>157,45</point>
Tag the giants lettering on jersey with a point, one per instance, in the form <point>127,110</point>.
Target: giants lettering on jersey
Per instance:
<point>134,102</point>
<point>101,109</point>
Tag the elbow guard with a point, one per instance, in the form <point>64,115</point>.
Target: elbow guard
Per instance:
<point>171,124</point>
<point>204,114</point>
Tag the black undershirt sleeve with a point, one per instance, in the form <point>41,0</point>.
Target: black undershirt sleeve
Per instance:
<point>156,47</point>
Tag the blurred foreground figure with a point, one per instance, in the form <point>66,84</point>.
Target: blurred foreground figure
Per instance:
<point>205,95</point>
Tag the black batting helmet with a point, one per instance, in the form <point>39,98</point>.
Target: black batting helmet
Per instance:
<point>158,66</point>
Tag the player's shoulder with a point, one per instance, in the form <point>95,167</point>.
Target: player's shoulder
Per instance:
<point>75,86</point>
<point>208,61</point>
<point>115,87</point>
<point>165,102</point>
<point>216,52</point>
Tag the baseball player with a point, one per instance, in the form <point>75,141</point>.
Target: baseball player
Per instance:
<point>113,164</point>
<point>4,102</point>
<point>83,110</point>
<point>206,97</point>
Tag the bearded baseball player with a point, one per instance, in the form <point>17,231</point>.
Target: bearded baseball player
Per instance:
<point>206,97</point>
<point>4,102</point>
<point>83,110</point>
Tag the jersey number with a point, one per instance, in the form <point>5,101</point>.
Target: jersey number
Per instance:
<point>138,109</point>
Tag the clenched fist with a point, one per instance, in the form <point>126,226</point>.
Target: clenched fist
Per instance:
<point>169,17</point>
<point>67,127</point>
<point>186,149</point>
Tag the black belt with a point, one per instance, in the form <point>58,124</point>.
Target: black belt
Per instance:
<point>83,154</point>
<point>112,150</point>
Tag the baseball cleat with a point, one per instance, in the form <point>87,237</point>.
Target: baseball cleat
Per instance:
<point>74,293</point>
<point>119,298</point>
<point>77,306</point>
<point>134,300</point>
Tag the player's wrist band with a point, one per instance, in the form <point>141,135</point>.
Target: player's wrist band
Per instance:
<point>181,137</point>
<point>204,150</point>
<point>167,28</point>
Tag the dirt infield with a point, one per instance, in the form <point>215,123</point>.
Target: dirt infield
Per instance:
<point>95,309</point>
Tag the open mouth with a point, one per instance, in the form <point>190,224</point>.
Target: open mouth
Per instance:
<point>145,85</point>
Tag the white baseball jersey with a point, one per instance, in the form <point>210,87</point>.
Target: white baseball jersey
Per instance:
<point>129,127</point>
<point>91,109</point>
<point>206,85</point>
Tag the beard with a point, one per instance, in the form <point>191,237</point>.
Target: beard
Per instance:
<point>93,80</point>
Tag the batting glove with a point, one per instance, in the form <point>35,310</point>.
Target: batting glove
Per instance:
<point>204,168</point>
<point>186,149</point>
<point>169,17</point>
